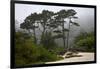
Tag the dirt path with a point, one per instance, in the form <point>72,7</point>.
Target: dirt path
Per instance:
<point>85,57</point>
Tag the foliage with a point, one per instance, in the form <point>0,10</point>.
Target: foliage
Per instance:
<point>74,23</point>
<point>26,52</point>
<point>49,20</point>
<point>85,42</point>
<point>62,15</point>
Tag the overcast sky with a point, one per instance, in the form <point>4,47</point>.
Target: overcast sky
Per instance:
<point>85,15</point>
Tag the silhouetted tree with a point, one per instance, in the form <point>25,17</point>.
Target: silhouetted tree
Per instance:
<point>50,22</point>
<point>71,15</point>
<point>45,17</point>
<point>30,23</point>
<point>60,19</point>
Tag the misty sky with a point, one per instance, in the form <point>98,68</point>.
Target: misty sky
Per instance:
<point>85,15</point>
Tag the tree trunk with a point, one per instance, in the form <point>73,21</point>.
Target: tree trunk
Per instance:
<point>35,40</point>
<point>43,35</point>
<point>63,34</point>
<point>68,36</point>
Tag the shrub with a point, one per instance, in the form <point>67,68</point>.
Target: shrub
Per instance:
<point>87,43</point>
<point>28,53</point>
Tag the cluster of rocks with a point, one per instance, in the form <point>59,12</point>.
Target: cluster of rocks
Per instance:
<point>70,54</point>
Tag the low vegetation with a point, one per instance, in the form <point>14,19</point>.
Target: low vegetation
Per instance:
<point>85,42</point>
<point>27,53</point>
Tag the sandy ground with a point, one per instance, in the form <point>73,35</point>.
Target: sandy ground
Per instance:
<point>85,57</point>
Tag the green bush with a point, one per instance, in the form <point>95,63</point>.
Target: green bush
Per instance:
<point>46,56</point>
<point>86,43</point>
<point>26,52</point>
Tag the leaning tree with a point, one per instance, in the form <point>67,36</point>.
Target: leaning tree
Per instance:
<point>61,16</point>
<point>71,16</point>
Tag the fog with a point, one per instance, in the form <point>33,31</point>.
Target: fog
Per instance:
<point>85,17</point>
